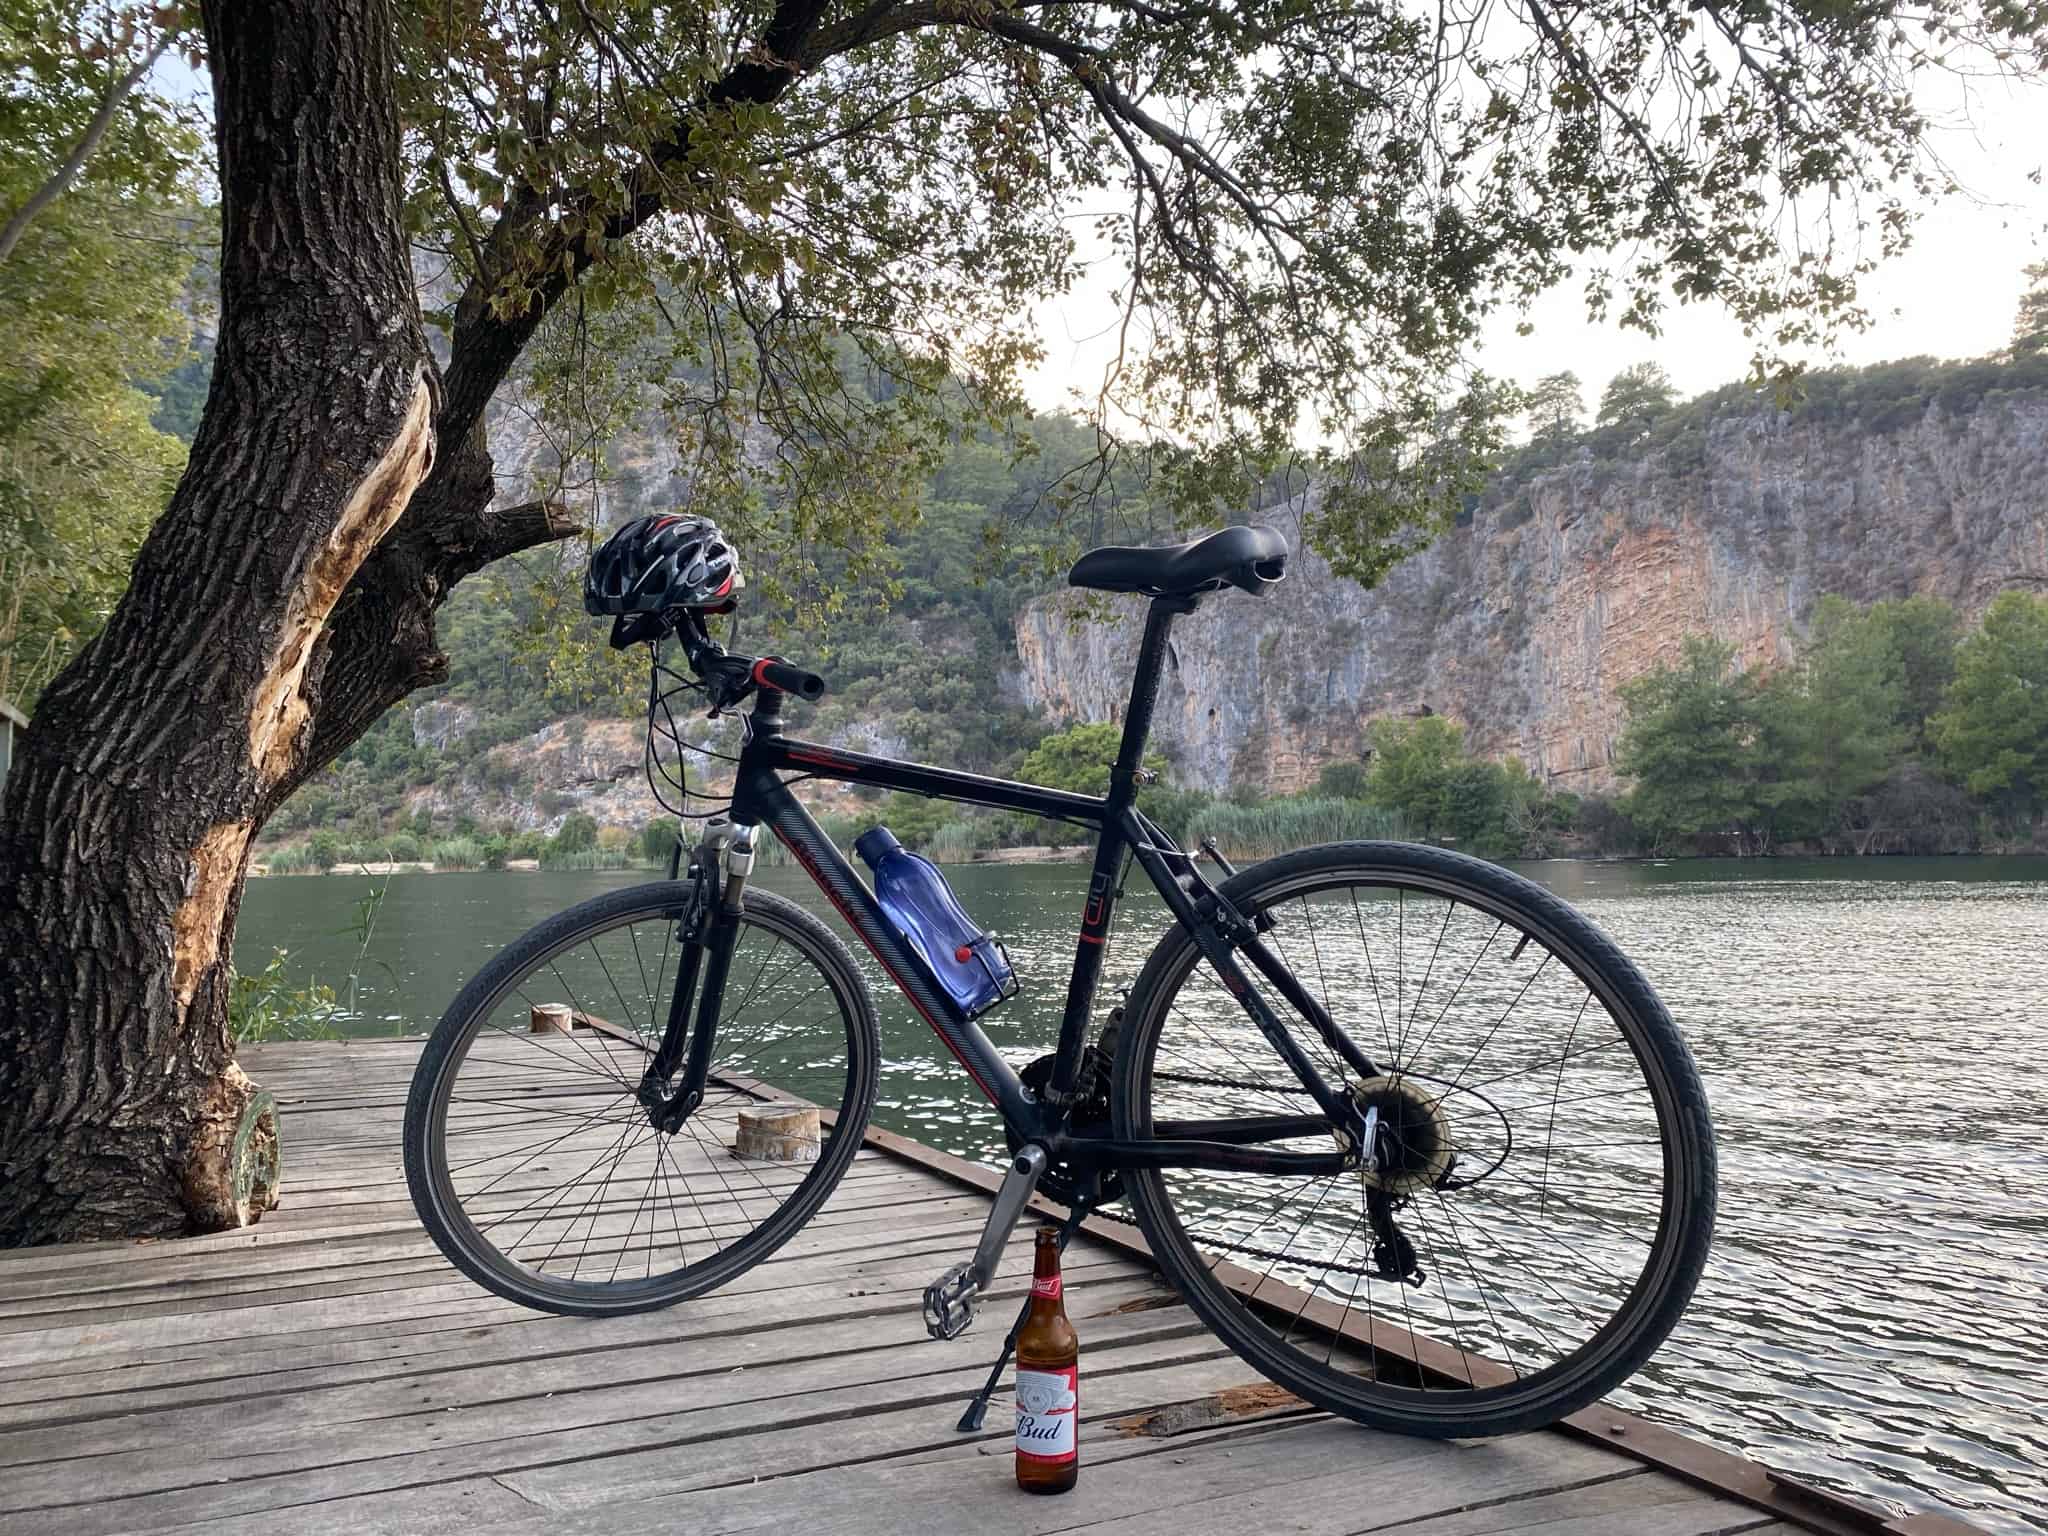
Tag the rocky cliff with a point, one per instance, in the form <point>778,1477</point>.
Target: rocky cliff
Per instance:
<point>1566,582</point>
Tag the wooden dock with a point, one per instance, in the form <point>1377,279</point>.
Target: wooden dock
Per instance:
<point>328,1371</point>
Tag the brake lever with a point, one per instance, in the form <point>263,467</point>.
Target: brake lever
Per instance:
<point>728,689</point>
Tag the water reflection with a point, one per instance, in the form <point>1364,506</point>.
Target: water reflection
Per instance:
<point>1876,1051</point>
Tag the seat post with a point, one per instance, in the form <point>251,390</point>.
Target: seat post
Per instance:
<point>1144,695</point>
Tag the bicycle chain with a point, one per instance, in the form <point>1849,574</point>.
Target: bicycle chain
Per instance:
<point>1255,1253</point>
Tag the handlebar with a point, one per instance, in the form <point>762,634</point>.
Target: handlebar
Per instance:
<point>731,678</point>
<point>774,672</point>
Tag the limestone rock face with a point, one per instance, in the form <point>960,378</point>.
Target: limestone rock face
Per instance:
<point>1524,623</point>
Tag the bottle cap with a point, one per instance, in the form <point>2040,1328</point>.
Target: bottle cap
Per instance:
<point>964,953</point>
<point>874,845</point>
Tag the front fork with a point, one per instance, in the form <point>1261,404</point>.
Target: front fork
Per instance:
<point>709,930</point>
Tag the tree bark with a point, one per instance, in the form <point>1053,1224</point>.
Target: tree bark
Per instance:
<point>155,756</point>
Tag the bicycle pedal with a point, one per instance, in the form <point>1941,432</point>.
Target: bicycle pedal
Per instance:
<point>949,1302</point>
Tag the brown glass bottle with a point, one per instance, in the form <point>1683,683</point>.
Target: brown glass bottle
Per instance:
<point>1048,1381</point>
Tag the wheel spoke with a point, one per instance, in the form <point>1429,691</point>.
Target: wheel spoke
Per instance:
<point>552,1181</point>
<point>1520,1188</point>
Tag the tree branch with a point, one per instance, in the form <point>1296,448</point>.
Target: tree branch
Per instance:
<point>65,174</point>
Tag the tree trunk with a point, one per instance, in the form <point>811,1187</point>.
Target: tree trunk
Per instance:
<point>156,755</point>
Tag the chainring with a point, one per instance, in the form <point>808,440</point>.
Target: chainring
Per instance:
<point>1090,1113</point>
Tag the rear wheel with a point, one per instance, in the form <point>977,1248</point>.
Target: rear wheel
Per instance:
<point>1545,1197</point>
<point>534,1165</point>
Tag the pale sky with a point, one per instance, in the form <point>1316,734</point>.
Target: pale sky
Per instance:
<point>1952,295</point>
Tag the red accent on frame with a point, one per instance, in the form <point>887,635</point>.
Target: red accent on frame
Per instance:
<point>762,666</point>
<point>1091,938</point>
<point>823,760</point>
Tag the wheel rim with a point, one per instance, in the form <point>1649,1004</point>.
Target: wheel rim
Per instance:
<point>1538,1273</point>
<point>548,1171</point>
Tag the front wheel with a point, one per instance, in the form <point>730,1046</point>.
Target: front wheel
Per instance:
<point>1544,1197</point>
<point>538,1171</point>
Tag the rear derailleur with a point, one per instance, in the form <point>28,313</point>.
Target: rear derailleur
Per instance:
<point>1393,1255</point>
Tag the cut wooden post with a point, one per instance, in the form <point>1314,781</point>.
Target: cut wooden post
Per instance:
<point>547,1016</point>
<point>781,1134</point>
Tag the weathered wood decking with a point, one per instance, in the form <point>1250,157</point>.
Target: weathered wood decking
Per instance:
<point>329,1372</point>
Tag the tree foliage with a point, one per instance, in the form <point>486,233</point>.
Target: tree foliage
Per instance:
<point>1422,772</point>
<point>1635,397</point>
<point>90,304</point>
<point>844,219</point>
<point>1686,745</point>
<point>1557,407</point>
<point>1993,732</point>
<point>1890,734</point>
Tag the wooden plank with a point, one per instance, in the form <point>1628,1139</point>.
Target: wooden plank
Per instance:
<point>196,1285</point>
<point>166,1377</point>
<point>1168,1486</point>
<point>480,1376</point>
<point>329,1372</point>
<point>582,1464</point>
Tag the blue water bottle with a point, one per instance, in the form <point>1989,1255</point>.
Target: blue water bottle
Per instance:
<point>969,966</point>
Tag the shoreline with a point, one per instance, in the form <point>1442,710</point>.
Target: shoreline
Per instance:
<point>1080,853</point>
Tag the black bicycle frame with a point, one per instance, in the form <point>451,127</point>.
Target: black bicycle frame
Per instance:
<point>761,798</point>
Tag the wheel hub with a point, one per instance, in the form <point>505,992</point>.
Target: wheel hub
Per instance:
<point>1412,1144</point>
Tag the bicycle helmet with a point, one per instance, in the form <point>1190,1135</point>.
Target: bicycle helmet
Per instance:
<point>654,564</point>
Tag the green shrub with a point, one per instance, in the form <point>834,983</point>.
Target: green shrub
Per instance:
<point>458,853</point>
<point>1342,780</point>
<point>658,839</point>
<point>266,1006</point>
<point>962,838</point>
<point>587,858</point>
<point>1281,826</point>
<point>404,848</point>
<point>290,859</point>
<point>578,833</point>
<point>323,848</point>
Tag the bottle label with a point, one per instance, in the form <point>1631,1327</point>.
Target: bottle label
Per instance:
<point>1048,1407</point>
<point>1047,1286</point>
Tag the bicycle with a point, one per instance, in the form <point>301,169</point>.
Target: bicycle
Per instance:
<point>1336,1097</point>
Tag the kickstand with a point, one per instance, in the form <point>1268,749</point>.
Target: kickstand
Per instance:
<point>977,1409</point>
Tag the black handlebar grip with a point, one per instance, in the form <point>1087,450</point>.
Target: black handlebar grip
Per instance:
<point>773,672</point>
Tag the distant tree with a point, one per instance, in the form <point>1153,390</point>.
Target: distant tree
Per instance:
<point>2030,327</point>
<point>1557,409</point>
<point>1413,765</point>
<point>1079,758</point>
<point>1343,780</point>
<point>1828,734</point>
<point>1635,397</point>
<point>1922,632</point>
<point>577,833</point>
<point>1993,731</point>
<point>658,839</point>
<point>1687,746</point>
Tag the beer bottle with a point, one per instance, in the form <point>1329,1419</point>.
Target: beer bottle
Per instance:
<point>1048,1381</point>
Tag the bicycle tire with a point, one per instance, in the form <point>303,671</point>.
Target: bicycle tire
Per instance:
<point>427,1163</point>
<point>1643,1318</point>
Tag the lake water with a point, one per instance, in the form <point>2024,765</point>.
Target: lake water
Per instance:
<point>1875,1043</point>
